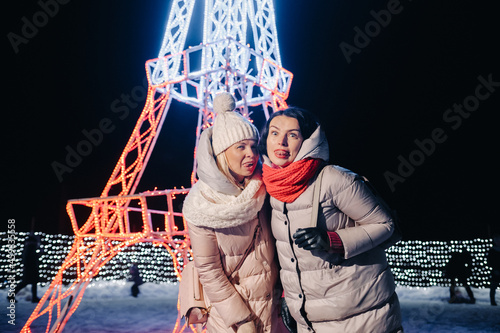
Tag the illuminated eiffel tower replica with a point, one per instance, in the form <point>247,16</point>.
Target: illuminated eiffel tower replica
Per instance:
<point>224,61</point>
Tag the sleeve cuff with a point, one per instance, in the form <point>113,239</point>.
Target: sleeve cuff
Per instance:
<point>336,245</point>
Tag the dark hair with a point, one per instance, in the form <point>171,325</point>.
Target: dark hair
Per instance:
<point>307,123</point>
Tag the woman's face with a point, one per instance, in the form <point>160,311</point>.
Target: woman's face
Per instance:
<point>242,158</point>
<point>284,140</point>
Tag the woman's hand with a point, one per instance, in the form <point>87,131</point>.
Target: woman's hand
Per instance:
<point>312,239</point>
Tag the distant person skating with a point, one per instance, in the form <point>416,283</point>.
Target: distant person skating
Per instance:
<point>459,268</point>
<point>30,259</point>
<point>136,278</point>
<point>493,261</point>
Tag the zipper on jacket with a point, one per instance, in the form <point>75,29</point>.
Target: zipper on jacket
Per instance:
<point>296,262</point>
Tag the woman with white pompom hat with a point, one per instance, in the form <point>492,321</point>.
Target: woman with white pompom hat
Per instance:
<point>229,227</point>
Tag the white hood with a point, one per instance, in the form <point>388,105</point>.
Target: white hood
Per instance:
<point>207,169</point>
<point>316,146</point>
<point>214,201</point>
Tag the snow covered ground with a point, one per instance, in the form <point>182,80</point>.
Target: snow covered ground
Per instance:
<point>108,307</point>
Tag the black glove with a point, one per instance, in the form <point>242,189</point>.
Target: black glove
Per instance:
<point>312,239</point>
<point>288,320</point>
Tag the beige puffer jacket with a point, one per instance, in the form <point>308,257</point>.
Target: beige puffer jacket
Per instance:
<point>219,245</point>
<point>326,293</point>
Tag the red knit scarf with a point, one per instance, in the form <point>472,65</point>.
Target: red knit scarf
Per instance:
<point>287,184</point>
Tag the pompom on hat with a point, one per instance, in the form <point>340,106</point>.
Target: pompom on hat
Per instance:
<point>229,126</point>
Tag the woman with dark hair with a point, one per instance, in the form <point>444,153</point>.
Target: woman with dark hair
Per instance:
<point>335,276</point>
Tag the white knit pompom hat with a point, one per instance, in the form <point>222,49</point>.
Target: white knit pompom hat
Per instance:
<point>229,126</point>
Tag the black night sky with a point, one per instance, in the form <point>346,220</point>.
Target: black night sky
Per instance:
<point>407,92</point>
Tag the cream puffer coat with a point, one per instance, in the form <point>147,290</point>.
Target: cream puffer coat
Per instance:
<point>222,223</point>
<point>326,292</point>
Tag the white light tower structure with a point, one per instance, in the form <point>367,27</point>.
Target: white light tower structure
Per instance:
<point>223,61</point>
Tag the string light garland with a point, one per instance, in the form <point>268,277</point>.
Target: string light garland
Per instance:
<point>154,262</point>
<point>417,263</point>
<point>414,263</point>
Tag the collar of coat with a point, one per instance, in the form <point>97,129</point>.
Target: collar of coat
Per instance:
<point>206,207</point>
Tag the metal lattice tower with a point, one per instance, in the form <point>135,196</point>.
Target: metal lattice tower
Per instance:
<point>223,61</point>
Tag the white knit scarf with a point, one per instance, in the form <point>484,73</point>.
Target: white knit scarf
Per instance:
<point>205,207</point>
